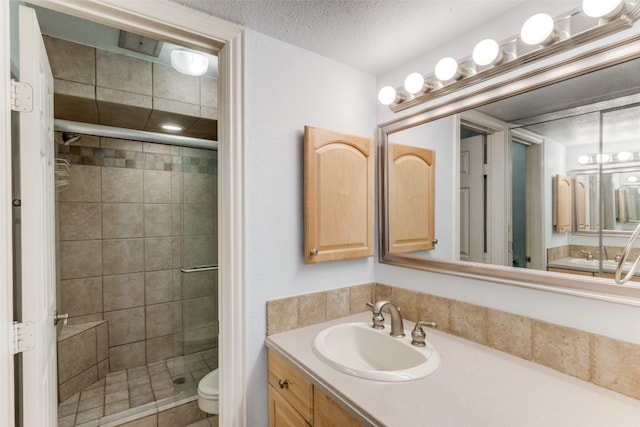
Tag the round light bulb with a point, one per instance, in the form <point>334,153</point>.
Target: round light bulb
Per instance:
<point>602,8</point>
<point>487,52</point>
<point>632,179</point>
<point>603,158</point>
<point>446,69</point>
<point>189,63</point>
<point>537,30</point>
<point>414,83</point>
<point>623,156</point>
<point>387,95</point>
<point>584,159</point>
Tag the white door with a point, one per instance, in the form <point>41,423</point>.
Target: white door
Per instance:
<point>37,227</point>
<point>472,199</point>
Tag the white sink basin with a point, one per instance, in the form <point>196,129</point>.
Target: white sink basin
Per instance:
<point>359,350</point>
<point>594,263</point>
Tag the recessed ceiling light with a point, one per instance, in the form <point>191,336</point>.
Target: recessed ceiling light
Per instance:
<point>171,127</point>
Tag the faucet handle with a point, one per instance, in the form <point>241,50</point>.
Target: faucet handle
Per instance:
<point>377,319</point>
<point>418,337</point>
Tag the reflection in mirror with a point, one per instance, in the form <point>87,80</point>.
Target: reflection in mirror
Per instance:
<point>495,199</point>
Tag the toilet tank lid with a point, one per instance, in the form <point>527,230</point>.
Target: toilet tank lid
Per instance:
<point>209,383</point>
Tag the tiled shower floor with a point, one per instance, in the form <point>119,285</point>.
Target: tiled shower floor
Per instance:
<point>121,391</point>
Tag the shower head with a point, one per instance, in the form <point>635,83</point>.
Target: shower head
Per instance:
<point>69,138</point>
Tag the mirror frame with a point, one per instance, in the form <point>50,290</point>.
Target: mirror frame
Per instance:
<point>582,63</point>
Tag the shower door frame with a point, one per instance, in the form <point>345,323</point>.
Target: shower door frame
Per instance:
<point>171,21</point>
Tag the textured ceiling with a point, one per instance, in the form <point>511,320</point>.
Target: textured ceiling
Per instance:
<point>374,36</point>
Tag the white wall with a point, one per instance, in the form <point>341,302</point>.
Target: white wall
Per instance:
<point>615,320</point>
<point>286,89</point>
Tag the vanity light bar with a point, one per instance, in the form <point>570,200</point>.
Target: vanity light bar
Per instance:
<point>621,157</point>
<point>541,36</point>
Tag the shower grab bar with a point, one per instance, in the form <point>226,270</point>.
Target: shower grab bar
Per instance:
<point>199,268</point>
<point>624,256</point>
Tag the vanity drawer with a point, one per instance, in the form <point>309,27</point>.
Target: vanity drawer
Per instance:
<point>291,385</point>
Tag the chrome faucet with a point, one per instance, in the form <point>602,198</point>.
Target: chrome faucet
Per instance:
<point>397,327</point>
<point>587,255</point>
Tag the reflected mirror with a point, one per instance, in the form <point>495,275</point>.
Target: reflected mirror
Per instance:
<point>541,181</point>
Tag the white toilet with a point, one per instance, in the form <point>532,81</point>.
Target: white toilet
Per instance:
<point>208,393</point>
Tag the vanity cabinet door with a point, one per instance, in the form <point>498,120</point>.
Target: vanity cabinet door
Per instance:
<point>338,196</point>
<point>281,413</point>
<point>292,387</point>
<point>327,413</point>
<point>412,184</point>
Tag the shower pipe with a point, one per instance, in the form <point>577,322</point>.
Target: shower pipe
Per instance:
<point>623,259</point>
<point>133,134</point>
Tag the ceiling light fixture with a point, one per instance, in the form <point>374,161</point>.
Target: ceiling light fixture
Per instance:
<point>538,39</point>
<point>189,63</point>
<point>602,8</point>
<point>171,127</point>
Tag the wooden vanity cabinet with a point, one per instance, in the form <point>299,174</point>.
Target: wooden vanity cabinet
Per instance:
<point>339,196</point>
<point>295,402</point>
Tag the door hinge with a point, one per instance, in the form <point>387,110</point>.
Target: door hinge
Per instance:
<point>21,96</point>
<point>24,336</point>
<point>485,169</point>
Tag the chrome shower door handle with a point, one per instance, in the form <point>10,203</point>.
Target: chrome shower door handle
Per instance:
<point>57,317</point>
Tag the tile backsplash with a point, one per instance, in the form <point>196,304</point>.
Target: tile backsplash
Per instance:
<point>604,361</point>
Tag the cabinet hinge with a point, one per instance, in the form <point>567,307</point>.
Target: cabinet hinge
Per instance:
<point>24,336</point>
<point>485,169</point>
<point>21,97</point>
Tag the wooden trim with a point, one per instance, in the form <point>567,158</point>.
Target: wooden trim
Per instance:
<point>6,251</point>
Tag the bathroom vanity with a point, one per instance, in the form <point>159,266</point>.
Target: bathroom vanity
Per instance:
<point>474,386</point>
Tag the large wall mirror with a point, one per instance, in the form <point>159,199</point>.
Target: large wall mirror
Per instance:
<point>535,181</point>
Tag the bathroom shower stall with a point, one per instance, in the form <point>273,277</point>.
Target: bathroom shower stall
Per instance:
<point>137,247</point>
<point>136,234</point>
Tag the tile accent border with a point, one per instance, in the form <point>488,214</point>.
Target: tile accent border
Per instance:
<point>601,360</point>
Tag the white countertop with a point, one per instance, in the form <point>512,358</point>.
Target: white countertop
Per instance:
<point>474,386</point>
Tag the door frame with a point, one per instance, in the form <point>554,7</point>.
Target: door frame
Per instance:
<point>169,20</point>
<point>498,184</point>
<point>7,415</point>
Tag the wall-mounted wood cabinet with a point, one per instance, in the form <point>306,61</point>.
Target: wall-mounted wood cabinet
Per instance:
<point>563,203</point>
<point>339,196</point>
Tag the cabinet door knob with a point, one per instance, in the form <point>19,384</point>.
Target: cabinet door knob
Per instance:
<point>434,241</point>
<point>283,383</point>
<point>313,252</point>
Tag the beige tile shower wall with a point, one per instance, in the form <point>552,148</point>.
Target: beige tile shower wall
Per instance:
<point>122,243</point>
<point>114,88</point>
<point>604,361</point>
